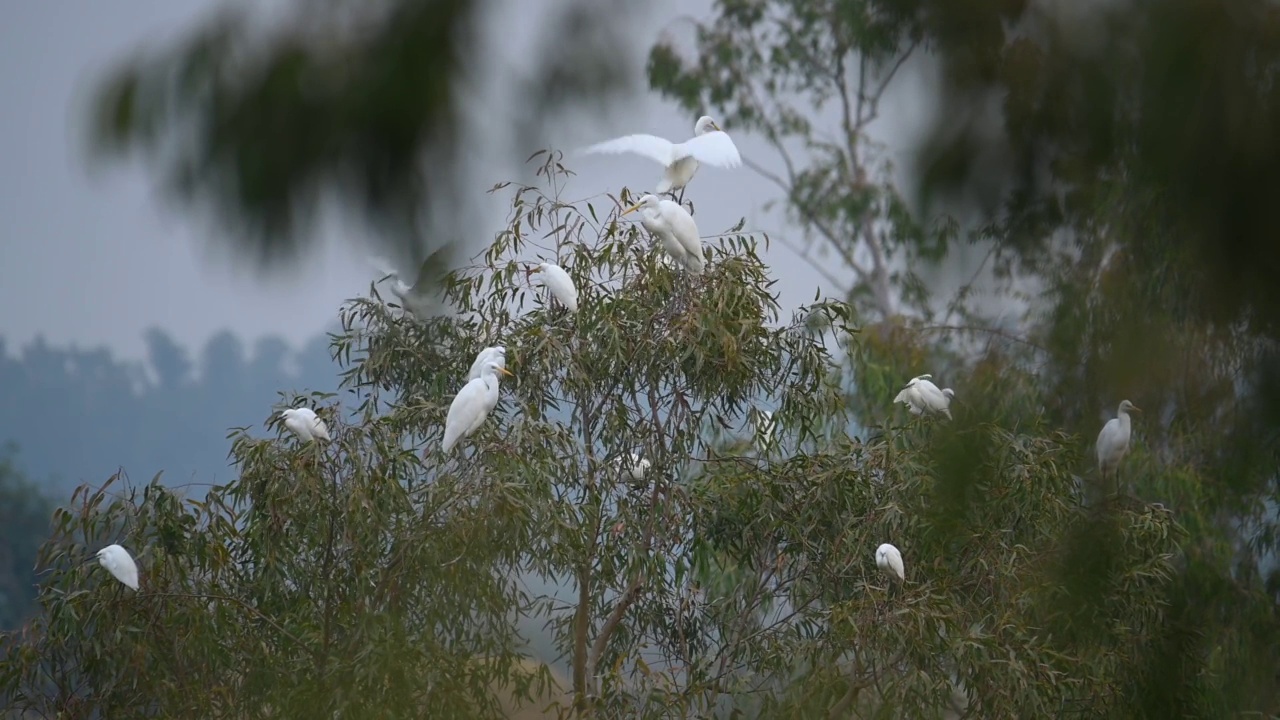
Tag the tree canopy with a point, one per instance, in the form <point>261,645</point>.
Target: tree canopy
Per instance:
<point>376,576</point>
<point>1110,166</point>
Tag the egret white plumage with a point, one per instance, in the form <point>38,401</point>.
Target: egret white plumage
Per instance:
<point>119,563</point>
<point>558,282</point>
<point>709,144</point>
<point>304,423</point>
<point>921,395</point>
<point>674,228</point>
<point>497,354</point>
<point>472,405</point>
<point>411,299</point>
<point>632,468</point>
<point>1113,441</point>
<point>889,560</point>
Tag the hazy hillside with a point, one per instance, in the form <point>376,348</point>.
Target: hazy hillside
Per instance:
<point>76,415</point>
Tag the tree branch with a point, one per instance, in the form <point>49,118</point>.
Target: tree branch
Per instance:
<point>989,331</point>
<point>237,601</point>
<point>888,78</point>
<point>611,624</point>
<point>807,216</point>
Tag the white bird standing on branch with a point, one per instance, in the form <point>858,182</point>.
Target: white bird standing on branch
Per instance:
<point>496,354</point>
<point>674,228</point>
<point>709,144</point>
<point>472,405</point>
<point>411,300</point>
<point>921,395</point>
<point>304,423</point>
<point>119,563</point>
<point>632,468</point>
<point>558,282</point>
<point>1113,441</point>
<point>889,560</point>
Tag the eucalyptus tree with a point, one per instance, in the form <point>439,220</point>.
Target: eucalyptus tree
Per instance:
<point>375,575</point>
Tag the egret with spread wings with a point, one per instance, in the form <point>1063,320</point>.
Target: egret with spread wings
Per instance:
<point>709,145</point>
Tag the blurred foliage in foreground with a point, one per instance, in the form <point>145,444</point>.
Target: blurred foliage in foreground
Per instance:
<point>373,577</point>
<point>358,103</point>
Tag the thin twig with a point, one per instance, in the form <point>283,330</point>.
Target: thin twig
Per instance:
<point>237,601</point>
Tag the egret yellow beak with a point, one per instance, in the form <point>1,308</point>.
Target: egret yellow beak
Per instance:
<point>714,126</point>
<point>632,209</point>
<point>506,372</point>
<point>1135,408</point>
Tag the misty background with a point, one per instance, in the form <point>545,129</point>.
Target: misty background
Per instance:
<point>137,339</point>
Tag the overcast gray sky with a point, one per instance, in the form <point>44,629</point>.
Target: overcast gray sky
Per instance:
<point>96,259</point>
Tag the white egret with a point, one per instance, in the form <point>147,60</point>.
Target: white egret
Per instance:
<point>709,144</point>
<point>472,405</point>
<point>674,228</point>
<point>119,563</point>
<point>411,299</point>
<point>889,560</point>
<point>497,354</point>
<point>921,395</point>
<point>304,423</point>
<point>558,282</point>
<point>632,468</point>
<point>1113,441</point>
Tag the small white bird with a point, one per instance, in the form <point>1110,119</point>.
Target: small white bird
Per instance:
<point>632,468</point>
<point>472,405</point>
<point>558,282</point>
<point>709,144</point>
<point>119,563</point>
<point>304,423</point>
<point>1113,441</point>
<point>496,354</point>
<point>411,299</point>
<point>922,395</point>
<point>889,560</point>
<point>674,228</point>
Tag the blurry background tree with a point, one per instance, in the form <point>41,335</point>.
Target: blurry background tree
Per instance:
<point>1116,163</point>
<point>81,414</point>
<point>25,511</point>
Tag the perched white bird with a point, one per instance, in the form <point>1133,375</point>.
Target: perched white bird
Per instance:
<point>632,468</point>
<point>304,423</point>
<point>497,354</point>
<point>558,282</point>
<point>709,144</point>
<point>1113,441</point>
<point>674,227</point>
<point>119,563</point>
<point>411,299</point>
<point>472,405</point>
<point>922,395</point>
<point>889,560</point>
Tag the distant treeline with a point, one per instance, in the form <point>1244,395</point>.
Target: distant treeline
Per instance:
<point>77,415</point>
